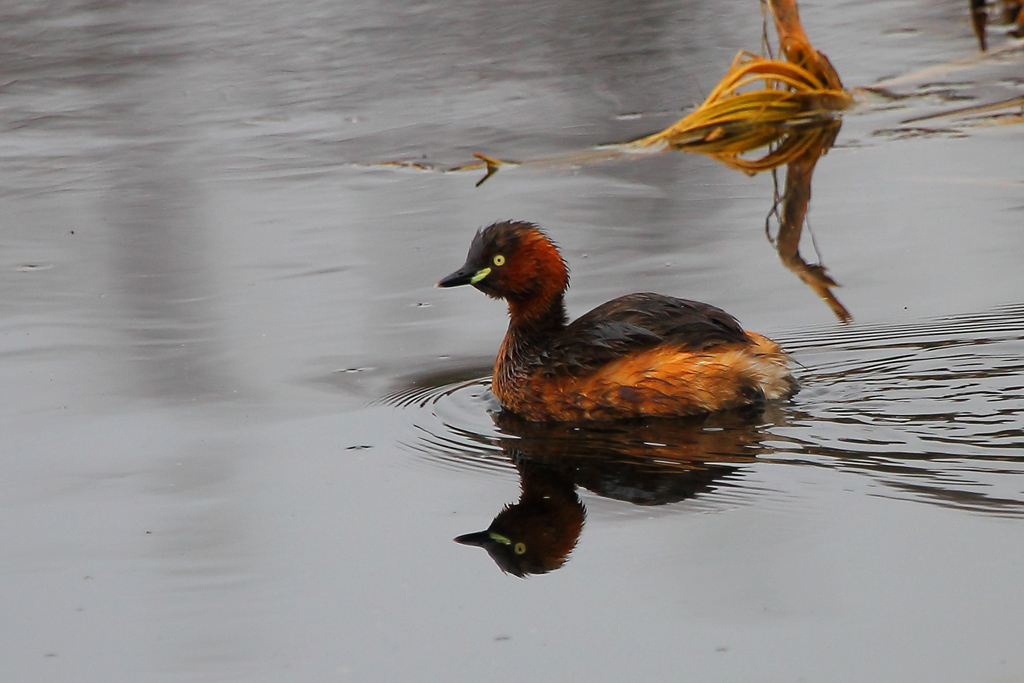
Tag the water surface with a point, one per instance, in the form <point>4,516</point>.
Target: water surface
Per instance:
<point>241,428</point>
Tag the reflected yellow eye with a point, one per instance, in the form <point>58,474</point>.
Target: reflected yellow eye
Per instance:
<point>499,260</point>
<point>519,548</point>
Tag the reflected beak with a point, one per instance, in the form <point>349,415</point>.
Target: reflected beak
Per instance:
<point>482,539</point>
<point>466,275</point>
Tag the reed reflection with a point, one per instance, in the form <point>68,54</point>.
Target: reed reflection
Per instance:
<point>804,148</point>
<point>648,462</point>
<point>796,144</point>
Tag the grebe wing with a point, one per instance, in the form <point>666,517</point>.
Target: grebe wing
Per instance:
<point>637,322</point>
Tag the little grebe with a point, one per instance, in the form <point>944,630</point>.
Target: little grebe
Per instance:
<point>638,355</point>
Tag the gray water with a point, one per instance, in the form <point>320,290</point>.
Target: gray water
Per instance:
<point>240,426</point>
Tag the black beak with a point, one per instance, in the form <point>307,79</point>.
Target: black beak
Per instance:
<point>479,539</point>
<point>462,276</point>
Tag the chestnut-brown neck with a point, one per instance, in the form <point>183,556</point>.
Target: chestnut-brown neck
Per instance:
<point>530,332</point>
<point>537,319</point>
<point>537,278</point>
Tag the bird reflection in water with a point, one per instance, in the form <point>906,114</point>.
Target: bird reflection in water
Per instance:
<point>536,534</point>
<point>644,462</point>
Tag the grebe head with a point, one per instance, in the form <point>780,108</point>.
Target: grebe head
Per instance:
<point>512,260</point>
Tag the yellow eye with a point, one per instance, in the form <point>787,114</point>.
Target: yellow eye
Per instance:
<point>499,260</point>
<point>519,548</point>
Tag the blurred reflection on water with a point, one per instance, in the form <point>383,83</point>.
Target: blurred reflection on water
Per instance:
<point>648,462</point>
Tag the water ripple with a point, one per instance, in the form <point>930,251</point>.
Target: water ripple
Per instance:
<point>934,410</point>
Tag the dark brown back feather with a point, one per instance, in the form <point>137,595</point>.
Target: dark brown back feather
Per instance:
<point>637,322</point>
